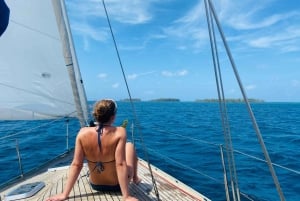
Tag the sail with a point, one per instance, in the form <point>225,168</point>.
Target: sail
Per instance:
<point>35,82</point>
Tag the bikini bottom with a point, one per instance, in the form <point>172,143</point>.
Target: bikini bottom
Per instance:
<point>105,187</point>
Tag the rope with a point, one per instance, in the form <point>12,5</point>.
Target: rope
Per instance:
<point>131,102</point>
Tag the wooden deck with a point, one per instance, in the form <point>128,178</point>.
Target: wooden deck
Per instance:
<point>169,188</point>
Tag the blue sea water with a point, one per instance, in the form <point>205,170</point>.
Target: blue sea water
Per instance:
<point>183,139</point>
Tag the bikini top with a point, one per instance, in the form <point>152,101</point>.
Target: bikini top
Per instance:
<point>99,167</point>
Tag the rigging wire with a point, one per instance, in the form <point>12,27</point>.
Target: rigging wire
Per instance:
<point>32,129</point>
<point>214,145</point>
<point>258,133</point>
<point>131,102</point>
<point>222,106</point>
<point>176,163</point>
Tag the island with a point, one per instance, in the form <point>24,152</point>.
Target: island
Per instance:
<point>166,100</point>
<point>230,100</point>
<point>133,99</point>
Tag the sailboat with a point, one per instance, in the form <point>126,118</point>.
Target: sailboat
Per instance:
<point>47,84</point>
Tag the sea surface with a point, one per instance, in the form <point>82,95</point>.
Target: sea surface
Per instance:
<point>183,139</point>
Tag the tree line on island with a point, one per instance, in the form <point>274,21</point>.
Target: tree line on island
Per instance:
<point>153,100</point>
<point>211,100</point>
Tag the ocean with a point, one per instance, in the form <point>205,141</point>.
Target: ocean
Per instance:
<point>183,139</point>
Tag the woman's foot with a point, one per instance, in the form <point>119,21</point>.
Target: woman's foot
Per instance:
<point>136,180</point>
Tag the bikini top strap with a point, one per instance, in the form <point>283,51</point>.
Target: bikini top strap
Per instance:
<point>100,131</point>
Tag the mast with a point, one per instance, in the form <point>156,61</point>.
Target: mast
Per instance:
<point>71,62</point>
<point>80,85</point>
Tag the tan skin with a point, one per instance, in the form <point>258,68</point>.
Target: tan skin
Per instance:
<point>113,141</point>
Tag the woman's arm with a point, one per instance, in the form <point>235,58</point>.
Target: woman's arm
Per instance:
<point>121,165</point>
<point>74,171</point>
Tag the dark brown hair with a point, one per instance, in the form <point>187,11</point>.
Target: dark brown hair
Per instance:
<point>104,110</point>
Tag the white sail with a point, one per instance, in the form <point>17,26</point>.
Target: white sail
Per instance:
<point>34,80</point>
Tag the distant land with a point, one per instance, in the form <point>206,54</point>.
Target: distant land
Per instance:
<point>231,100</point>
<point>208,100</point>
<point>153,100</point>
<point>166,100</point>
<point>133,99</point>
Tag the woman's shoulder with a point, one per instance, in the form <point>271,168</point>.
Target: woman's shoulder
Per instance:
<point>120,131</point>
<point>86,131</point>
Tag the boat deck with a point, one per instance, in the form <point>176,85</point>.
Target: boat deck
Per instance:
<point>168,187</point>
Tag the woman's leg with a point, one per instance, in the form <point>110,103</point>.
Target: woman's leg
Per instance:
<point>131,160</point>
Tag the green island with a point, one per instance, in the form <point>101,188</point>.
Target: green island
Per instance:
<point>165,100</point>
<point>230,100</point>
<point>133,99</point>
<point>206,100</point>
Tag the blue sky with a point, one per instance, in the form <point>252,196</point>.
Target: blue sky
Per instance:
<point>165,51</point>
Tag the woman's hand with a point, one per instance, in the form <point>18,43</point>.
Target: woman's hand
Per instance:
<point>59,197</point>
<point>129,198</point>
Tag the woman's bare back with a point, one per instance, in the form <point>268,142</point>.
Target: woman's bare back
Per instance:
<point>101,163</point>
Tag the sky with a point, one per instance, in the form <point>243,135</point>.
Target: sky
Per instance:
<point>165,51</point>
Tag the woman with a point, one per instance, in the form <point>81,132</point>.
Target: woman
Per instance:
<point>111,161</point>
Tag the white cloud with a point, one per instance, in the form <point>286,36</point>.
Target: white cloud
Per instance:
<point>124,11</point>
<point>241,15</point>
<point>102,75</point>
<point>167,73</point>
<point>250,87</point>
<point>262,42</point>
<point>264,29</point>
<point>245,15</point>
<point>132,76</point>
<point>128,11</point>
<point>135,75</point>
<point>86,30</point>
<point>190,27</point>
<point>86,17</point>
<point>174,74</point>
<point>285,39</point>
<point>182,73</point>
<point>116,85</point>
